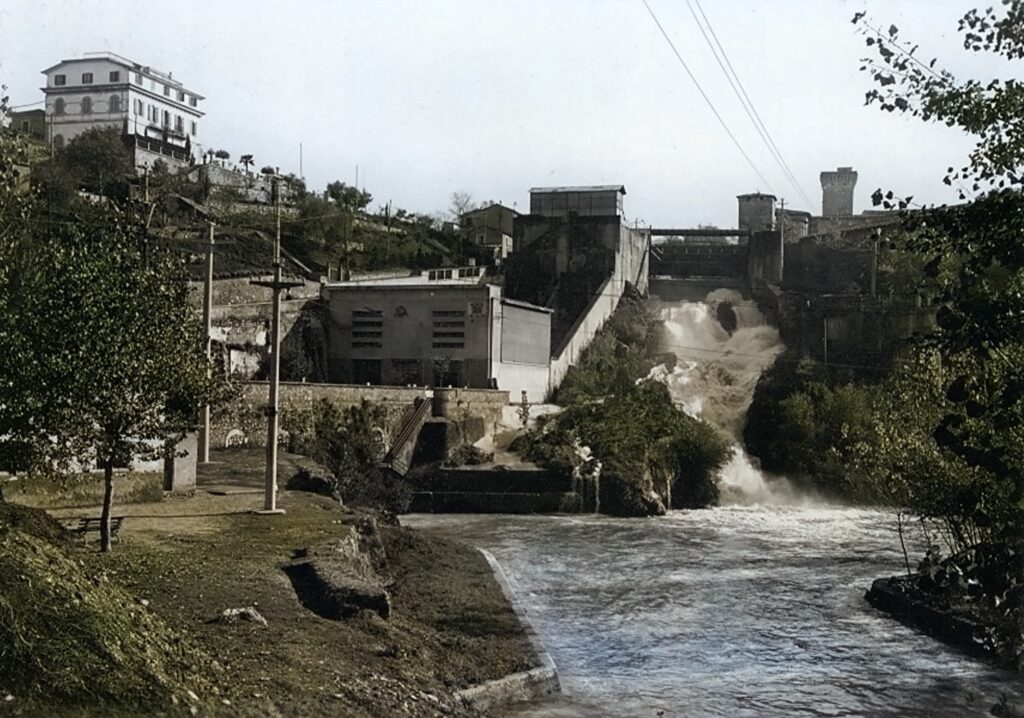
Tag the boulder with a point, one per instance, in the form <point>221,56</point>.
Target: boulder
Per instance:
<point>248,613</point>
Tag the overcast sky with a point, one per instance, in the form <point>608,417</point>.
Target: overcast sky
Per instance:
<point>493,97</point>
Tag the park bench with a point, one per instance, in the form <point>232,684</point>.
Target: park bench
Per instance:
<point>86,525</point>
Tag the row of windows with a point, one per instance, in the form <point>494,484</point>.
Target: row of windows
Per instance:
<point>87,78</point>
<point>115,76</point>
<point>85,106</point>
<point>152,113</point>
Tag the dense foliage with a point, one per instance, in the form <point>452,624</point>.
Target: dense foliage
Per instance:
<point>350,442</point>
<point>101,356</point>
<point>652,455</point>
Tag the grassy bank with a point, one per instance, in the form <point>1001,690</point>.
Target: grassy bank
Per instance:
<point>189,559</point>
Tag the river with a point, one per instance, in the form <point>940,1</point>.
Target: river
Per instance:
<point>734,611</point>
<point>755,608</point>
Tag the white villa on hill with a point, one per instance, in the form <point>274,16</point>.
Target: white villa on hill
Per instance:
<point>159,117</point>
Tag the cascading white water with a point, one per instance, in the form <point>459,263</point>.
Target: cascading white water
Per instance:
<point>714,379</point>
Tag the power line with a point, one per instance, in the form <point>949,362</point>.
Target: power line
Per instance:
<point>744,98</point>
<point>706,98</point>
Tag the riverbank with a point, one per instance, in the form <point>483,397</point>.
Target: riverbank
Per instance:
<point>188,559</point>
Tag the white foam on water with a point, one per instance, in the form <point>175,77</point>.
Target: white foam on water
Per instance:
<point>714,379</point>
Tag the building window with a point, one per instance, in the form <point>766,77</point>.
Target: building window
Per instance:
<point>193,129</point>
<point>367,329</point>
<point>114,105</point>
<point>140,108</point>
<point>86,105</point>
<point>58,141</point>
<point>179,124</point>
<point>59,80</point>
<point>167,118</point>
<point>449,329</point>
<point>24,126</point>
<point>86,78</point>
<point>58,106</point>
<point>181,96</point>
<point>193,100</point>
<point>138,78</point>
<point>167,90</point>
<point>447,372</point>
<point>115,75</point>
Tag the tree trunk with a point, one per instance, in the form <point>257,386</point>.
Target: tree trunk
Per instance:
<point>108,500</point>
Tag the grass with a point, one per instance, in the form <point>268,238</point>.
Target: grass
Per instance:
<point>191,558</point>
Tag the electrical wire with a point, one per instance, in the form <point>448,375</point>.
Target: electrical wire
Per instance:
<point>707,99</point>
<point>744,98</point>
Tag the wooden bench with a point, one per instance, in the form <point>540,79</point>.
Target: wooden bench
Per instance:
<point>86,525</point>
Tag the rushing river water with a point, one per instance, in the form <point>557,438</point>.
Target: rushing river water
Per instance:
<point>755,608</point>
<point>734,611</point>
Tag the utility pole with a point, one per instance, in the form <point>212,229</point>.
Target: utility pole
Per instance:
<point>204,434</point>
<point>875,236</point>
<point>270,488</point>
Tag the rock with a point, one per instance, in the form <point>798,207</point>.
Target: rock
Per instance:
<point>249,613</point>
<point>327,586</point>
<point>315,479</point>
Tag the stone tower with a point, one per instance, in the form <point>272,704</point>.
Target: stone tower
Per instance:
<point>837,192</point>
<point>756,212</point>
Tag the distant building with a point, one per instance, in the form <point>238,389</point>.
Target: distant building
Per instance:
<point>31,123</point>
<point>590,201</point>
<point>443,327</point>
<point>158,116</point>
<point>837,192</point>
<point>756,212</point>
<point>491,226</point>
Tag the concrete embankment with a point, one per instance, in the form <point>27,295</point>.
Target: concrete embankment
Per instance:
<point>494,490</point>
<point>518,687</point>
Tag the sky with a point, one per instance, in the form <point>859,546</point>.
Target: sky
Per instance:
<point>489,97</point>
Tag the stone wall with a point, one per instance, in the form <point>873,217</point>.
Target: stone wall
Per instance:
<point>244,419</point>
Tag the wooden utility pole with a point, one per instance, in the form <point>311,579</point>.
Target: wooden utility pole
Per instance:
<point>204,433</point>
<point>270,488</point>
<point>875,236</point>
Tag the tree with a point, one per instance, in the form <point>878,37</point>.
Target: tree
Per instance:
<point>461,202</point>
<point>101,355</point>
<point>222,155</point>
<point>981,320</point>
<point>246,161</point>
<point>972,253</point>
<point>349,198</point>
<point>98,161</point>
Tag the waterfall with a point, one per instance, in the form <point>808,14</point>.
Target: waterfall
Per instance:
<point>722,345</point>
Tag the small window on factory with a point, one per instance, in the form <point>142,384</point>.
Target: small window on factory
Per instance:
<point>59,80</point>
<point>86,78</point>
<point>115,75</point>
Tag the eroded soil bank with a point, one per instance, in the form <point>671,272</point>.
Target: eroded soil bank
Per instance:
<point>187,559</point>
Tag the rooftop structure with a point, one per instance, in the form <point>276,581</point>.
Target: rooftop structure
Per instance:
<point>593,201</point>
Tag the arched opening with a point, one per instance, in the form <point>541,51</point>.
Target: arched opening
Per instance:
<point>58,142</point>
<point>58,106</point>
<point>114,105</point>
<point>86,105</point>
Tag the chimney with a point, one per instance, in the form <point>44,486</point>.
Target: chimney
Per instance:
<point>837,192</point>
